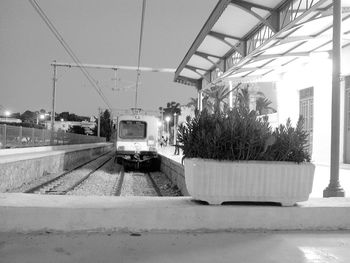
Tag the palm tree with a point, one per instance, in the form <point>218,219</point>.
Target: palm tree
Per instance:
<point>192,103</point>
<point>207,104</point>
<point>218,95</point>
<point>263,105</point>
<point>243,97</point>
<point>173,107</point>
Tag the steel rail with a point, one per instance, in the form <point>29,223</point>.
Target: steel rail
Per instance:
<point>155,186</point>
<point>38,187</point>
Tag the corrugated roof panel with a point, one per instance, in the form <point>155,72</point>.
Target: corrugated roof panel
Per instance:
<point>280,49</point>
<point>262,13</point>
<point>189,74</point>
<point>311,44</point>
<point>213,46</point>
<point>314,26</point>
<point>260,72</point>
<point>267,3</point>
<point>256,63</point>
<point>232,41</point>
<point>231,22</point>
<point>200,62</point>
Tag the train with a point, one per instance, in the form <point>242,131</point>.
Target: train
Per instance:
<point>136,139</point>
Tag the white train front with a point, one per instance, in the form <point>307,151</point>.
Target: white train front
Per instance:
<point>136,141</point>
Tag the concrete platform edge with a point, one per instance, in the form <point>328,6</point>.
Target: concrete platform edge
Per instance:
<point>28,213</point>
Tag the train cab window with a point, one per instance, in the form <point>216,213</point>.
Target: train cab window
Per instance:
<point>132,129</point>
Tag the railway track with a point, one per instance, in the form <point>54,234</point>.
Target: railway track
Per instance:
<point>135,183</point>
<point>69,180</point>
<point>103,176</point>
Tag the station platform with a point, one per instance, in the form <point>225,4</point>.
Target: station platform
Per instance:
<point>43,228</point>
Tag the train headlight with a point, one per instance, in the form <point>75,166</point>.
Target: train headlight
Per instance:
<point>151,142</point>
<point>152,149</point>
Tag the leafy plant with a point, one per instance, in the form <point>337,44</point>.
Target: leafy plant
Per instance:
<point>239,134</point>
<point>263,105</point>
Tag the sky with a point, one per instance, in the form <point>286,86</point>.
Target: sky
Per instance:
<point>99,32</point>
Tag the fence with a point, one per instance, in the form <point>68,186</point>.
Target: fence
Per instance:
<point>15,137</point>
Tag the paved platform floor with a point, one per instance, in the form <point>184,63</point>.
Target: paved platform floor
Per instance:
<point>259,247</point>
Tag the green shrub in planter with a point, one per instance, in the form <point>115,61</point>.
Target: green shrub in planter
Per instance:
<point>239,134</point>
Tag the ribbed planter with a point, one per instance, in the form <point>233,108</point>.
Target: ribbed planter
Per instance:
<point>256,181</point>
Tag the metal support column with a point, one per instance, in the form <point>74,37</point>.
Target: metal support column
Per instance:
<point>230,95</point>
<point>334,189</point>
<point>200,100</point>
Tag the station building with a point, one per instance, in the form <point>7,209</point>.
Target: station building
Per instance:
<point>295,52</point>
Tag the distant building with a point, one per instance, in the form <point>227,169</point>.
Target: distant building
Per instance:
<point>65,125</point>
<point>10,120</point>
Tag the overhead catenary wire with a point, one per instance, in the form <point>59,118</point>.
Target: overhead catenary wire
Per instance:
<point>70,52</point>
<point>140,50</point>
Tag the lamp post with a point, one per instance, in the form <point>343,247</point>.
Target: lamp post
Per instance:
<point>175,124</point>
<point>161,110</point>
<point>7,114</point>
<point>43,118</point>
<point>167,119</point>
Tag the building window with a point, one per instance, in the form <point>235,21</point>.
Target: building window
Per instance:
<point>306,110</point>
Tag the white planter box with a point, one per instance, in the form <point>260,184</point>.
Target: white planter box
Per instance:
<point>261,181</point>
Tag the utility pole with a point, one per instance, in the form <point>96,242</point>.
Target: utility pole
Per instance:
<point>115,79</point>
<point>99,122</point>
<point>54,79</point>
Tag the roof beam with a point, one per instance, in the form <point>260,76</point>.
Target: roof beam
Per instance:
<point>194,69</point>
<point>271,56</point>
<point>210,61</point>
<point>252,5</point>
<point>221,38</point>
<point>247,7</point>
<point>206,58</point>
<point>255,53</point>
<point>213,18</point>
<point>225,35</point>
<point>199,53</point>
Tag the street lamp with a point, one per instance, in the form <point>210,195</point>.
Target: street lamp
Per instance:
<point>7,114</point>
<point>167,119</point>
<point>175,133</point>
<point>43,118</point>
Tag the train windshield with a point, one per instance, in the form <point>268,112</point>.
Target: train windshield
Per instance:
<point>132,129</point>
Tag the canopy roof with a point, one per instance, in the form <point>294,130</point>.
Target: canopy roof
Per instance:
<point>250,39</point>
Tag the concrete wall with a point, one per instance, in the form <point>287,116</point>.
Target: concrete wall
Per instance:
<point>19,167</point>
<point>175,172</point>
<point>316,74</point>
